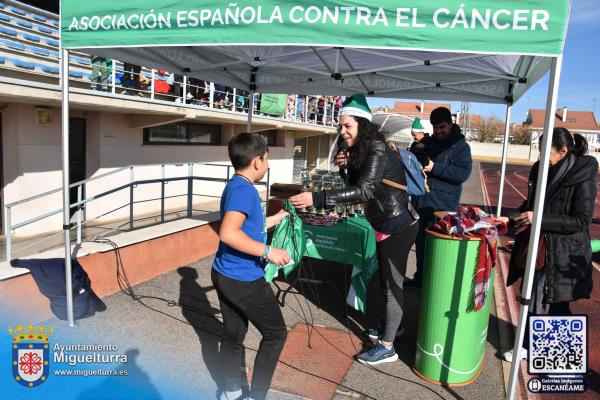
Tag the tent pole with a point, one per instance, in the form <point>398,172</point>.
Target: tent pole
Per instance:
<point>540,194</point>
<point>64,80</point>
<point>504,154</point>
<point>250,111</point>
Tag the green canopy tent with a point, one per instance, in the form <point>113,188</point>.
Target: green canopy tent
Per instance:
<point>484,51</point>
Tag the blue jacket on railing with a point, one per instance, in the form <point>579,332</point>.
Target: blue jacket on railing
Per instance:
<point>452,166</point>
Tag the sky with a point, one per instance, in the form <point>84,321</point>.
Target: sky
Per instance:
<point>580,78</point>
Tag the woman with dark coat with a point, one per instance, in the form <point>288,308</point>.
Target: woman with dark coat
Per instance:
<point>375,173</point>
<point>566,274</point>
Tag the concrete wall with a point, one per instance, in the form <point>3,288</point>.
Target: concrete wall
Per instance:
<point>32,165</point>
<point>494,150</point>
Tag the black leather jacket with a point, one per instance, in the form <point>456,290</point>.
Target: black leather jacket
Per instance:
<point>382,201</point>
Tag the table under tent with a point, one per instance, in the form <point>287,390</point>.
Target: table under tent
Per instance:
<point>484,51</point>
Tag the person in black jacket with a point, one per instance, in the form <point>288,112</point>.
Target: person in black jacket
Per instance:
<point>448,166</point>
<point>374,172</point>
<point>566,274</point>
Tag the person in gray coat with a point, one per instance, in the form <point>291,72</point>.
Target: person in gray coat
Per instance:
<point>449,165</point>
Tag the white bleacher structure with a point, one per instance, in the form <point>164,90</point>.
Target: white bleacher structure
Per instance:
<point>116,122</point>
<point>29,47</point>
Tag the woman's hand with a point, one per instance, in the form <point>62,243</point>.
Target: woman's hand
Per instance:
<point>524,219</point>
<point>302,200</point>
<point>503,219</point>
<point>340,160</point>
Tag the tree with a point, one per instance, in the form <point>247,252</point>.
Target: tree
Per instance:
<point>521,134</point>
<point>490,128</point>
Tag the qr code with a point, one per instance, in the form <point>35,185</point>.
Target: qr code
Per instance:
<point>558,345</point>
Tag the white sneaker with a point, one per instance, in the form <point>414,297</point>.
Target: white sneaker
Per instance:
<point>508,355</point>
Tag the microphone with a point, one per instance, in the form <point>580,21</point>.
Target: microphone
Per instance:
<point>343,148</point>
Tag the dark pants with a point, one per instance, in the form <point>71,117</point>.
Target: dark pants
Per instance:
<point>131,76</point>
<point>255,302</point>
<point>392,255</point>
<point>426,220</point>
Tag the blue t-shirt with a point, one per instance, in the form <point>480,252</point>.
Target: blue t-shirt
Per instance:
<point>240,195</point>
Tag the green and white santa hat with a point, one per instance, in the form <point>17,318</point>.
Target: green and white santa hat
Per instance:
<point>356,105</point>
<point>417,126</point>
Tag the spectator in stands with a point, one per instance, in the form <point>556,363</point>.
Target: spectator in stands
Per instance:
<point>337,106</point>
<point>290,107</point>
<point>320,109</point>
<point>417,147</point>
<point>219,96</point>
<point>193,89</point>
<point>448,167</point>
<point>101,69</point>
<point>131,78</point>
<point>257,100</point>
<point>162,85</point>
<point>300,107</point>
<point>242,100</point>
<point>176,90</point>
<point>312,109</point>
<point>564,273</point>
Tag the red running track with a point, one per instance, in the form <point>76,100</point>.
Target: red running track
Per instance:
<point>515,191</point>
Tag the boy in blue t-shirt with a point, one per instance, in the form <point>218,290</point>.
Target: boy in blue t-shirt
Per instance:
<point>238,274</point>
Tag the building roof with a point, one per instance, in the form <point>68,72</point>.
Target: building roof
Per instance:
<point>414,108</point>
<point>474,121</point>
<point>576,120</point>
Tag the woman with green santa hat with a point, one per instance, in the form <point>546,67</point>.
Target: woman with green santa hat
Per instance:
<point>375,176</point>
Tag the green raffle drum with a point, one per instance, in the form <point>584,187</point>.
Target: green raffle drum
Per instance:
<point>451,339</point>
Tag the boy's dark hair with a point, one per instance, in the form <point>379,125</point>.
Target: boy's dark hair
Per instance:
<point>439,115</point>
<point>242,148</point>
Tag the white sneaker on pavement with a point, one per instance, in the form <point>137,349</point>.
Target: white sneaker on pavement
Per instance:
<point>508,355</point>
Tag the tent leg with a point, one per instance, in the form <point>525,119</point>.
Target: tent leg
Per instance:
<point>250,111</point>
<point>64,79</point>
<point>540,194</point>
<point>504,154</point>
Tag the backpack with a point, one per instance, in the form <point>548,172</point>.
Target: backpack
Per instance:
<point>416,180</point>
<point>49,276</point>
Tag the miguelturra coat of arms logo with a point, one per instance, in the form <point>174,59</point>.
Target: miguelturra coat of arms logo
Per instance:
<point>30,354</point>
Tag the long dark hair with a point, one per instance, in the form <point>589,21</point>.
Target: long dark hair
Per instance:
<point>368,133</point>
<point>581,145</point>
<point>575,143</point>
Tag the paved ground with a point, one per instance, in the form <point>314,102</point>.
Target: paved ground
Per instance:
<point>172,349</point>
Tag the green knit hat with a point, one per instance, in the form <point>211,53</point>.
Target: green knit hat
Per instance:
<point>417,126</point>
<point>356,105</point>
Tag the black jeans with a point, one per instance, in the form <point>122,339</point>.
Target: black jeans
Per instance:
<point>255,302</point>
